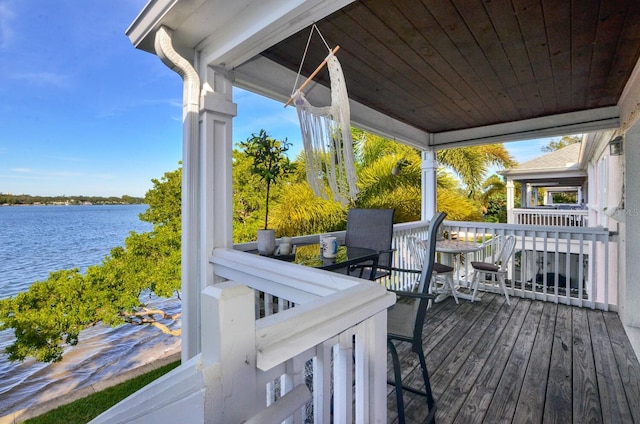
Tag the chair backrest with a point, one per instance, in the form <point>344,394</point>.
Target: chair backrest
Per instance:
<point>508,246</point>
<point>373,229</point>
<point>417,250</point>
<point>425,275</point>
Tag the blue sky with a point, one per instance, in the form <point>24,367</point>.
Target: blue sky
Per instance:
<point>82,112</point>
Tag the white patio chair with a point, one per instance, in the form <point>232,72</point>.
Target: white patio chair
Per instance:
<point>494,273</point>
<point>441,272</point>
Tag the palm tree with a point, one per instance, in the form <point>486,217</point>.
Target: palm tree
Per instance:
<point>389,176</point>
<point>471,164</point>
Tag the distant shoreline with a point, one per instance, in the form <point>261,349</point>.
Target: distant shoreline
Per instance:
<point>29,200</point>
<point>71,204</point>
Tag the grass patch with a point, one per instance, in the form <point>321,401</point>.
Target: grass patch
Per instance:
<point>85,409</point>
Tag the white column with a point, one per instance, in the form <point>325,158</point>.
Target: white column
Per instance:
<point>217,113</point>
<point>629,294</point>
<point>510,201</point>
<point>579,196</point>
<point>215,191</point>
<point>429,193</point>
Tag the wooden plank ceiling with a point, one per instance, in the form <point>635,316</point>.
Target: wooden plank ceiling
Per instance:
<point>442,65</point>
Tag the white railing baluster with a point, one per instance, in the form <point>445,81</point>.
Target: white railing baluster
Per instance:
<point>547,254</point>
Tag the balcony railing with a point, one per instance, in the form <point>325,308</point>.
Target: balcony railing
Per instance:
<point>569,265</point>
<point>561,264</point>
<point>278,340</point>
<point>549,217</point>
<point>310,345</point>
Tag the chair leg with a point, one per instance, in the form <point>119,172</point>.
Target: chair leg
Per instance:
<point>449,279</point>
<point>501,279</point>
<point>427,387</point>
<point>476,281</point>
<point>398,381</point>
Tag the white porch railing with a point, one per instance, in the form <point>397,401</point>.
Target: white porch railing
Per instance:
<point>313,350</point>
<point>567,265</point>
<point>549,217</point>
<point>322,329</point>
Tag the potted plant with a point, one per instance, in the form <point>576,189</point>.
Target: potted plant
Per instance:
<point>270,164</point>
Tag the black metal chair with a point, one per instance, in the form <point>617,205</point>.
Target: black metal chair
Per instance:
<point>405,321</point>
<point>372,229</point>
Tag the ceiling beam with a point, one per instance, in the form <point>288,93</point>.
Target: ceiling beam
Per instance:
<point>528,129</point>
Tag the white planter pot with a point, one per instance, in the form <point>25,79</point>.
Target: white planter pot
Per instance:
<point>266,242</point>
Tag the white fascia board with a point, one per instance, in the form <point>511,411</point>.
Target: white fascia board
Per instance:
<point>593,146</point>
<point>226,32</point>
<point>171,13</point>
<point>258,26</point>
<point>546,174</point>
<point>528,129</point>
<point>265,77</point>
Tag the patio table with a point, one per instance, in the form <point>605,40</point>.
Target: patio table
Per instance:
<point>345,260</point>
<point>450,250</point>
<point>348,257</point>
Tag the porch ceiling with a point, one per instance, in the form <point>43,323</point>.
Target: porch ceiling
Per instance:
<point>428,72</point>
<point>441,66</point>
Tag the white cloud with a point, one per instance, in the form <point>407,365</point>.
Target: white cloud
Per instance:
<point>6,31</point>
<point>42,78</point>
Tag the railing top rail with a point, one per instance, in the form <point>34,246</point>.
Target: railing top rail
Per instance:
<point>294,282</point>
<point>286,334</point>
<point>598,231</point>
<point>551,211</point>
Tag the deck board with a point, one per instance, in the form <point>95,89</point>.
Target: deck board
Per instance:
<point>586,401</point>
<point>557,407</point>
<point>533,391</point>
<point>528,362</point>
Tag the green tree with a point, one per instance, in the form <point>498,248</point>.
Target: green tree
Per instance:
<point>248,199</point>
<point>270,162</point>
<point>471,164</point>
<point>565,141</point>
<point>52,313</point>
<point>494,199</point>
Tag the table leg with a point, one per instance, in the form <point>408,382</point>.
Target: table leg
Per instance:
<point>445,291</point>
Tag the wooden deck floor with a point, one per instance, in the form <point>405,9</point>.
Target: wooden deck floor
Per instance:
<point>531,362</point>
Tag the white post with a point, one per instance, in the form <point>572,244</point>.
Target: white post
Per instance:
<point>429,194</point>
<point>510,201</point>
<point>217,113</point>
<point>629,294</point>
<point>229,353</point>
<point>579,196</point>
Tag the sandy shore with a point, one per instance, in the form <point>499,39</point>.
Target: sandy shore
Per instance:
<point>75,394</point>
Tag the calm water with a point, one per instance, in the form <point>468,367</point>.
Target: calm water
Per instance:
<point>35,240</point>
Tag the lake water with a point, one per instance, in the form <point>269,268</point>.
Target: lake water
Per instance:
<point>35,240</point>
